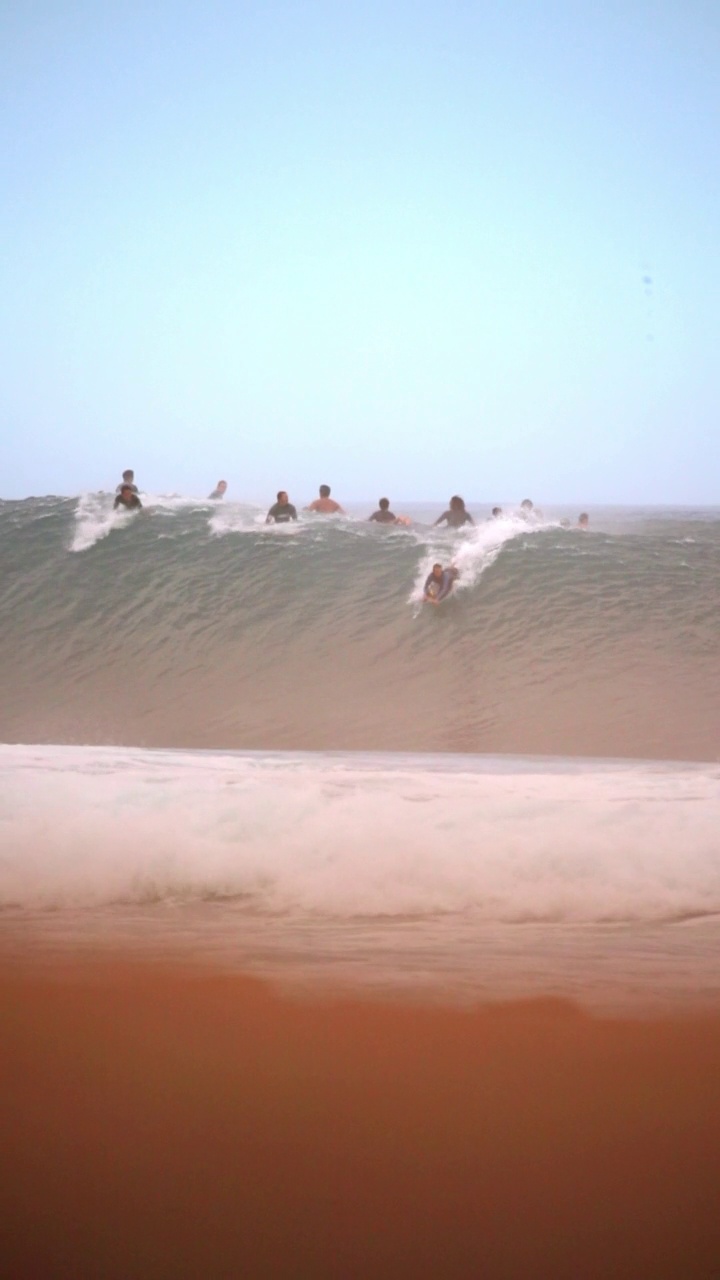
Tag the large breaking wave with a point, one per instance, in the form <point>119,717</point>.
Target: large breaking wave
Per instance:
<point>195,625</point>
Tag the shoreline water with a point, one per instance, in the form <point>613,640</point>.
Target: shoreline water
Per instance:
<point>446,878</point>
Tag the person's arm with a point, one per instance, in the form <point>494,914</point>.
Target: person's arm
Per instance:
<point>117,503</point>
<point>440,519</point>
<point>293,512</point>
<point>270,517</point>
<point>426,596</point>
<point>469,518</point>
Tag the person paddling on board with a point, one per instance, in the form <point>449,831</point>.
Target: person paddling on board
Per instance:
<point>128,482</point>
<point>456,516</point>
<point>127,499</point>
<point>439,583</point>
<point>325,504</point>
<point>220,490</point>
<point>282,511</point>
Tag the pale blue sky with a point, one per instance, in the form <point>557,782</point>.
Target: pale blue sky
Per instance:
<point>401,247</point>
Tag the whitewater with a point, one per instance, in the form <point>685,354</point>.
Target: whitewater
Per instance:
<point>254,744</point>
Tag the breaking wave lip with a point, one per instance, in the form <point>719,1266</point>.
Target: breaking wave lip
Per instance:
<point>96,518</point>
<point>474,551</point>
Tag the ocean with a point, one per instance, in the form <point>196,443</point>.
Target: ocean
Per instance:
<point>253,744</point>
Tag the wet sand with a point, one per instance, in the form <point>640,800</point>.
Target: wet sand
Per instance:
<point>165,1122</point>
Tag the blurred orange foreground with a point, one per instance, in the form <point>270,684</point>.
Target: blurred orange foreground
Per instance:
<point>162,1122</point>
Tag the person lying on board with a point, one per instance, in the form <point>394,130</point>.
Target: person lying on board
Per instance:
<point>282,511</point>
<point>439,583</point>
<point>127,499</point>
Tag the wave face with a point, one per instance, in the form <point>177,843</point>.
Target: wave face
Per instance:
<point>194,625</point>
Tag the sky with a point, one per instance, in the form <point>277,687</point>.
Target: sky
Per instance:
<point>412,248</point>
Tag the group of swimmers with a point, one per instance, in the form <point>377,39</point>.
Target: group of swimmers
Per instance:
<point>283,510</point>
<point>441,579</point>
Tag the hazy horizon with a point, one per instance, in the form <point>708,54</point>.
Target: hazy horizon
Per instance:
<point>389,248</point>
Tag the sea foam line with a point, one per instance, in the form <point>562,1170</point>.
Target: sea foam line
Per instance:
<point>360,836</point>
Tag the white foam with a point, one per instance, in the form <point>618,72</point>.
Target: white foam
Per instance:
<point>472,551</point>
<point>95,519</point>
<point>352,836</point>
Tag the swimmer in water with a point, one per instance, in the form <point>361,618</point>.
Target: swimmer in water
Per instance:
<point>127,498</point>
<point>220,490</point>
<point>583,520</point>
<point>456,516</point>
<point>439,583</point>
<point>496,513</point>
<point>128,482</point>
<point>325,504</point>
<point>384,515</point>
<point>529,511</point>
<point>282,511</point>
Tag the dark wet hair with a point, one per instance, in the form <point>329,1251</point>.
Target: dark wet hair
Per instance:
<point>457,501</point>
<point>324,490</point>
<point>527,504</point>
<point>124,487</point>
<point>128,473</point>
<point>384,503</point>
<point>497,511</point>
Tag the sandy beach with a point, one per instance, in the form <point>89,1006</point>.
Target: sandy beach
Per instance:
<point>161,1121</point>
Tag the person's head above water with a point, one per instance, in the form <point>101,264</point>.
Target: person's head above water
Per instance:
<point>128,476</point>
<point>384,504</point>
<point>437,571</point>
<point>497,511</point>
<point>282,495</point>
<point>221,486</point>
<point>526,505</point>
<point>583,520</point>
<point>457,503</point>
<point>126,488</point>
<point>324,490</point>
